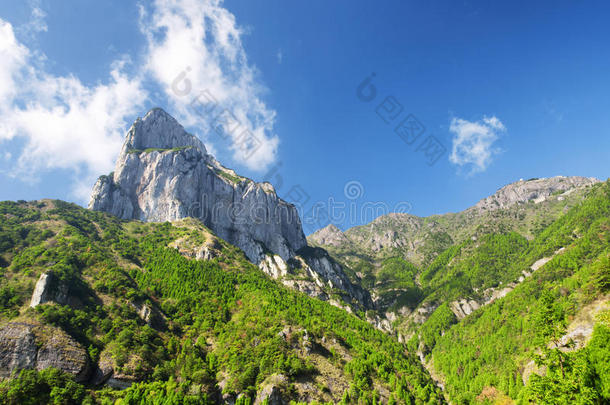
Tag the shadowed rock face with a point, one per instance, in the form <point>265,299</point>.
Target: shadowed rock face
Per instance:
<point>27,346</point>
<point>49,288</point>
<point>164,173</point>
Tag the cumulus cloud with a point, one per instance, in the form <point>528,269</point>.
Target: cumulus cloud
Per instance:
<point>64,123</point>
<point>193,48</point>
<point>473,142</point>
<point>196,54</point>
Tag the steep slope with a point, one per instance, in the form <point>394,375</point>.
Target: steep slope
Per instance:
<point>496,296</point>
<point>164,173</point>
<point>494,348</point>
<point>127,305</point>
<point>524,208</point>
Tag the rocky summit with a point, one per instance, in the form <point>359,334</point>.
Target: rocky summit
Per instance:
<point>536,190</point>
<point>164,173</point>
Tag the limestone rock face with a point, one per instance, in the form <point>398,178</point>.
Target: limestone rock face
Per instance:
<point>535,190</point>
<point>272,390</point>
<point>17,348</point>
<point>48,288</point>
<point>274,266</point>
<point>463,307</point>
<point>62,352</point>
<point>324,270</point>
<point>28,346</point>
<point>164,173</point>
<point>329,236</point>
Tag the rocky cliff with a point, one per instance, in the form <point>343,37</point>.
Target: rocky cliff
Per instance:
<point>164,173</point>
<point>24,345</point>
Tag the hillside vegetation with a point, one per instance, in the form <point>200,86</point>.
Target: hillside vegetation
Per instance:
<point>179,330</point>
<point>493,346</point>
<point>511,304</point>
<point>489,306</point>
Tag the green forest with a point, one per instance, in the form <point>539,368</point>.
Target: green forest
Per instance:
<point>185,331</point>
<point>218,320</point>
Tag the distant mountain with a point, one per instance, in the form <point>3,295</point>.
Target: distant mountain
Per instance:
<point>467,290</point>
<point>515,206</point>
<point>536,190</point>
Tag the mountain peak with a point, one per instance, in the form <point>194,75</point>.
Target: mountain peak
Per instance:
<point>329,235</point>
<point>163,174</point>
<point>159,130</point>
<point>536,190</point>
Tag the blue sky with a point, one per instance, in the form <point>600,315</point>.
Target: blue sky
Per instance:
<point>510,91</point>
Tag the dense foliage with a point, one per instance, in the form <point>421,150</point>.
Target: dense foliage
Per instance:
<point>494,345</point>
<point>212,323</point>
<point>221,327</point>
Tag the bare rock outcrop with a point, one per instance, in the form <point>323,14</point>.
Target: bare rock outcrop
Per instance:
<point>29,346</point>
<point>164,173</point>
<point>320,266</point>
<point>463,307</point>
<point>49,288</point>
<point>535,190</point>
<point>272,390</point>
<point>274,266</point>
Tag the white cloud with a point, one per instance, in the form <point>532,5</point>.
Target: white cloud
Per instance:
<point>37,21</point>
<point>473,142</point>
<point>280,56</point>
<point>65,124</point>
<point>14,57</point>
<point>195,46</point>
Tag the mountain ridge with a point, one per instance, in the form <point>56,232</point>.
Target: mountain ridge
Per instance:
<point>399,230</point>
<point>164,174</point>
<point>547,186</point>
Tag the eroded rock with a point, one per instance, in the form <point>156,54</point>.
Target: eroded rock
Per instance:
<point>49,288</point>
<point>29,346</point>
<point>272,390</point>
<point>164,173</point>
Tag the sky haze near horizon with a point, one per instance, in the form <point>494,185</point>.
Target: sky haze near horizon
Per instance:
<point>509,90</point>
